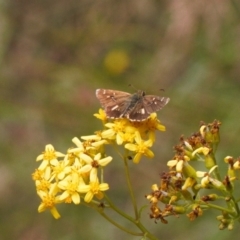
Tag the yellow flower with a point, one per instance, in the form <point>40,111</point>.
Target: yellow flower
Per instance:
<point>95,189</point>
<point>181,165</point>
<point>49,157</point>
<point>231,168</point>
<point>60,170</point>
<point>236,165</point>
<point>37,175</point>
<point>203,150</point>
<point>94,141</point>
<point>188,145</point>
<point>125,137</point>
<point>152,123</point>
<point>49,200</point>
<point>207,181</point>
<point>43,185</point>
<point>80,147</point>
<point>155,195</point>
<point>73,159</point>
<point>93,138</point>
<point>203,130</point>
<point>148,127</point>
<point>101,115</point>
<point>115,130</point>
<point>177,163</point>
<point>82,170</point>
<point>70,185</point>
<point>96,161</point>
<point>189,182</point>
<point>141,148</point>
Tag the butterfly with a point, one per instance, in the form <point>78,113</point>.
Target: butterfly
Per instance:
<point>136,107</point>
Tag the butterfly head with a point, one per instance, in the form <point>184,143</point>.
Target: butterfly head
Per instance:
<point>141,93</point>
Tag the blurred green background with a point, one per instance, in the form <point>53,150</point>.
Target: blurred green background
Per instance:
<point>55,54</point>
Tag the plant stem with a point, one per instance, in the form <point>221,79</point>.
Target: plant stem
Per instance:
<point>134,203</point>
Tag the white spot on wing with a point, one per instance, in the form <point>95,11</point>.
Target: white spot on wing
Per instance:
<point>115,107</point>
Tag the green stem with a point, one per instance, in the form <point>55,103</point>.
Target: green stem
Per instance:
<point>119,226</point>
<point>144,230</point>
<point>134,203</point>
<point>232,204</point>
<point>138,224</point>
<point>128,182</point>
<point>216,174</point>
<point>120,212</point>
<point>100,211</point>
<point>209,205</point>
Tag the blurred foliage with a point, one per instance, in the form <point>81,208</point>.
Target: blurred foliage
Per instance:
<point>54,54</point>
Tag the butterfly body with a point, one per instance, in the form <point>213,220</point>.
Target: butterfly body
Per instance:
<point>135,107</point>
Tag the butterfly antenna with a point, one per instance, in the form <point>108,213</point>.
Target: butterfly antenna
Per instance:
<point>130,85</point>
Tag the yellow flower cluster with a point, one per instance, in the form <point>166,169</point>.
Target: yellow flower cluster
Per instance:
<point>180,188</point>
<point>66,178</point>
<point>137,137</point>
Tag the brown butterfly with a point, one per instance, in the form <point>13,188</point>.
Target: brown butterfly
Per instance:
<point>135,107</point>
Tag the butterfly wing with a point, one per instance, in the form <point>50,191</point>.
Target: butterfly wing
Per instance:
<point>113,102</point>
<point>154,103</point>
<point>138,113</point>
<point>145,106</point>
